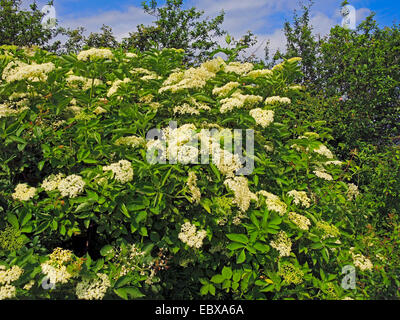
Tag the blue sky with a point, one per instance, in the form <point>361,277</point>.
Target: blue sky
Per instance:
<point>264,18</point>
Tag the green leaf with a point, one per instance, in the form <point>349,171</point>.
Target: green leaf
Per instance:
<point>129,292</point>
<point>227,272</point>
<point>122,281</point>
<point>125,211</point>
<point>235,245</point>
<point>12,219</point>
<point>83,207</point>
<point>217,278</point>
<point>106,250</point>
<point>241,257</point>
<point>238,237</point>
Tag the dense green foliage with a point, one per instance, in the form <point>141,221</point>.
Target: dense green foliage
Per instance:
<point>85,213</point>
<point>360,67</point>
<point>175,230</point>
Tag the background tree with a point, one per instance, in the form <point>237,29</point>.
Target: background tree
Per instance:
<point>23,27</point>
<point>105,39</point>
<point>301,42</point>
<point>178,28</point>
<point>359,68</point>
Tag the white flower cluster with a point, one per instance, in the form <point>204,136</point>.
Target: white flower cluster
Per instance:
<point>23,192</point>
<point>75,81</point>
<point>191,236</point>
<point>52,181</point>
<point>122,170</point>
<point>131,55</point>
<point>115,85</point>
<point>195,108</point>
<point>6,110</point>
<point>192,77</point>
<point>301,221</point>
<point>238,100</point>
<point>182,144</point>
<point>328,230</point>
<point>19,70</point>
<point>224,90</point>
<point>193,188</point>
<point>300,197</point>
<point>56,274</point>
<point>99,110</point>
<point>226,162</point>
<point>93,289</point>
<point>259,73</point>
<point>239,68</point>
<point>243,196</point>
<point>352,191</point>
<point>277,100</point>
<point>95,54</point>
<point>282,243</point>
<point>262,117</point>
<point>132,141</point>
<point>323,175</point>
<point>324,151</point>
<point>55,267</point>
<point>9,275</point>
<point>7,291</point>
<point>360,261</point>
<point>273,202</point>
<point>71,186</point>
<point>334,162</point>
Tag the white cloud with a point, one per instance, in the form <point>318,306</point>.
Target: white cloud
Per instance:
<point>122,22</point>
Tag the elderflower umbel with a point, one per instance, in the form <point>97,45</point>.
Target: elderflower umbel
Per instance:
<point>122,170</point>
<point>243,196</point>
<point>361,262</point>
<point>95,54</point>
<point>239,68</point>
<point>7,292</point>
<point>352,191</point>
<point>224,90</point>
<point>277,100</point>
<point>52,181</point>
<point>71,186</point>
<point>300,197</point>
<point>262,117</point>
<point>273,202</point>
<point>259,73</point>
<point>19,70</point>
<point>192,185</point>
<point>131,141</point>
<point>191,236</point>
<point>301,221</point>
<point>93,289</point>
<point>23,192</point>
<point>291,274</point>
<point>328,230</point>
<point>323,175</point>
<point>282,243</point>
<point>115,86</point>
<point>9,275</point>
<point>324,151</point>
